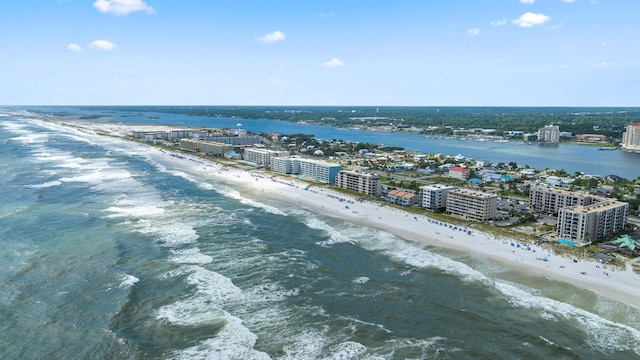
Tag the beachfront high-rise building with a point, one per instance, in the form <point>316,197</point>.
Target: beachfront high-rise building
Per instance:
<point>631,138</point>
<point>319,170</point>
<point>434,196</point>
<point>315,170</point>
<point>551,200</point>
<point>261,156</point>
<point>207,147</point>
<point>471,204</point>
<point>588,223</point>
<point>285,165</point>
<point>549,134</point>
<point>362,182</point>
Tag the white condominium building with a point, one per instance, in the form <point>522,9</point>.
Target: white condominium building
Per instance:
<point>434,196</point>
<point>471,204</point>
<point>585,224</point>
<point>285,165</point>
<point>631,138</point>
<point>318,170</point>
<point>549,134</point>
<point>362,182</point>
<point>260,156</point>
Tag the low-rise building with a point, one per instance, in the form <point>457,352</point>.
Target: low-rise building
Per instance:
<point>362,182</point>
<point>471,204</point>
<point>434,196</point>
<point>402,198</point>
<point>459,173</point>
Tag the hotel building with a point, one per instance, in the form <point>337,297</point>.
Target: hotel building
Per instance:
<point>434,196</point>
<point>459,173</point>
<point>472,204</point>
<point>365,183</point>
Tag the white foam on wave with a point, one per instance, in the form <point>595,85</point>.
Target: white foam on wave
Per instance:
<point>190,256</point>
<point>602,334</point>
<point>45,185</point>
<point>390,245</point>
<point>605,335</point>
<point>31,138</point>
<point>170,232</point>
<point>207,307</point>
<point>233,341</point>
<point>335,236</point>
<point>234,194</point>
<point>127,280</point>
<point>360,280</point>
<point>138,211</point>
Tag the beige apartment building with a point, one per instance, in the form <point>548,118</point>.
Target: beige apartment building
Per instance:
<point>362,182</point>
<point>551,200</point>
<point>589,223</point>
<point>471,204</point>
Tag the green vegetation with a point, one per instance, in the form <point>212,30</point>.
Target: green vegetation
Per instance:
<point>442,120</point>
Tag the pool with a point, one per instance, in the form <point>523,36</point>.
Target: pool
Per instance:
<point>568,242</point>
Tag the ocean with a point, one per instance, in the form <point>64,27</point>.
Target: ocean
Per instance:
<point>108,254</point>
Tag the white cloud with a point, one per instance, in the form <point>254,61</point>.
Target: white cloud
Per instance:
<point>473,32</point>
<point>333,63</point>
<point>122,7</point>
<point>569,1</point>
<point>102,45</point>
<point>74,47</point>
<point>273,37</point>
<point>527,1</point>
<point>530,19</point>
<point>499,23</point>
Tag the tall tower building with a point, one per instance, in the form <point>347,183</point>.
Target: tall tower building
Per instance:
<point>549,134</point>
<point>631,138</point>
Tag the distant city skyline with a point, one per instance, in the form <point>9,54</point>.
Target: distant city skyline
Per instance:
<point>344,53</point>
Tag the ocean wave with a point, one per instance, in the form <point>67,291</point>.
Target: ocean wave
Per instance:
<point>335,236</point>
<point>45,185</point>
<point>602,334</point>
<point>207,308</point>
<point>127,280</point>
<point>190,256</point>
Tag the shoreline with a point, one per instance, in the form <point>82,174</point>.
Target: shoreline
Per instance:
<point>618,284</point>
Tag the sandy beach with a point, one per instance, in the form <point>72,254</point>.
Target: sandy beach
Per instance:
<point>619,284</point>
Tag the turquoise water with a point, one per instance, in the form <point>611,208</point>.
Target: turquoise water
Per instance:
<point>568,242</point>
<point>108,254</point>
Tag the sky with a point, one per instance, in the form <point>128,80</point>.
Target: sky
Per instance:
<point>329,52</point>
